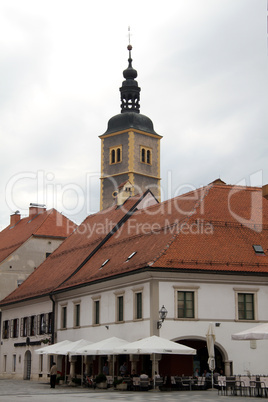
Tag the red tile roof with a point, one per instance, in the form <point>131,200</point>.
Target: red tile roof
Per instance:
<point>45,224</point>
<point>64,261</point>
<point>211,229</point>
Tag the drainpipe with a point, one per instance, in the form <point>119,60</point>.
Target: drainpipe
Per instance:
<point>53,319</point>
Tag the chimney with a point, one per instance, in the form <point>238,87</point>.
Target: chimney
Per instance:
<point>35,209</point>
<point>14,218</point>
<point>265,191</point>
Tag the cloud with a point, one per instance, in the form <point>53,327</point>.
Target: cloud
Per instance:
<point>202,68</point>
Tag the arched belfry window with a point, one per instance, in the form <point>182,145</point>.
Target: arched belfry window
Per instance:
<point>116,154</point>
<point>146,155</point>
<point>113,156</point>
<point>148,160</point>
<point>143,155</point>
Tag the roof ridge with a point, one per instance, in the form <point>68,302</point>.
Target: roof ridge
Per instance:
<point>218,262</point>
<point>116,227</point>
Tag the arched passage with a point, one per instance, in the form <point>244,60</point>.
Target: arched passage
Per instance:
<point>27,365</point>
<point>185,365</point>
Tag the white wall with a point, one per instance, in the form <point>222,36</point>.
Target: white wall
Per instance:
<point>20,264</point>
<point>7,348</point>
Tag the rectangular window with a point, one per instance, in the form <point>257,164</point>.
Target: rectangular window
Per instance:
<point>138,303</point>
<point>64,317</point>
<point>185,303</point>
<point>41,363</point>
<point>245,306</point>
<point>49,328</point>
<point>77,315</point>
<point>14,328</point>
<point>120,308</point>
<point>96,312</point>
<point>42,324</point>
<point>5,364</point>
<point>6,329</point>
<point>33,325</point>
<point>14,361</point>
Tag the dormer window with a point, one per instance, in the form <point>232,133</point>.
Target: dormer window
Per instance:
<point>258,249</point>
<point>146,155</point>
<point>116,154</point>
<point>104,263</point>
<point>131,255</point>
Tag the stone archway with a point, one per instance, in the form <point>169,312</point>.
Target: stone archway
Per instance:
<point>200,360</point>
<point>27,365</point>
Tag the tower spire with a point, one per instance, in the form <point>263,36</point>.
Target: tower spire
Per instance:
<point>130,91</point>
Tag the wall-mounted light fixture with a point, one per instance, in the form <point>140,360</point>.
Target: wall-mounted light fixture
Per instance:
<point>217,324</point>
<point>162,315</point>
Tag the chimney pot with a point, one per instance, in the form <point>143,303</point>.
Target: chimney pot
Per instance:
<point>35,209</point>
<point>15,218</point>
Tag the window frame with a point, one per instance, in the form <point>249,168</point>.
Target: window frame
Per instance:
<point>63,317</point>
<point>115,154</point>
<point>144,153</point>
<point>32,325</point>
<point>119,309</point>
<point>24,329</point>
<point>14,363</point>
<point>6,329</point>
<point>246,291</point>
<point>138,305</point>
<point>14,328</point>
<point>188,289</point>
<point>77,314</point>
<point>96,311</point>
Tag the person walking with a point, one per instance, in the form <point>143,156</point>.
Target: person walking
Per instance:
<point>53,375</point>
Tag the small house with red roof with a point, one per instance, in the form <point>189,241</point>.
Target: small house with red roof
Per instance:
<point>27,242</point>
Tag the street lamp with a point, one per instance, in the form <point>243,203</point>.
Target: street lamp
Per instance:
<point>162,315</point>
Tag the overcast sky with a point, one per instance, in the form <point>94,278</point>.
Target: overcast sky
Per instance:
<point>202,68</point>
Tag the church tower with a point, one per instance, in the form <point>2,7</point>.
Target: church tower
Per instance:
<point>130,148</point>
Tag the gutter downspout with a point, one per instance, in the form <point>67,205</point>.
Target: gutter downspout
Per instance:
<point>53,319</point>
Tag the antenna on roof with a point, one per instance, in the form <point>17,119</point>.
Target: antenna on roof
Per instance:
<point>129,34</point>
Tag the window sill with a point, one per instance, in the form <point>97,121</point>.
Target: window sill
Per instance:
<point>237,320</point>
<point>186,319</point>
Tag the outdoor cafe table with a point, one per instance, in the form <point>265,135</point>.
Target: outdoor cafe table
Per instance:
<point>232,384</point>
<point>188,382</point>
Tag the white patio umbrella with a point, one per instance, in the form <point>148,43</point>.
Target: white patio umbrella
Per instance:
<point>155,344</point>
<point>52,349</point>
<point>104,347</point>
<point>210,346</point>
<point>256,333</point>
<point>64,348</point>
